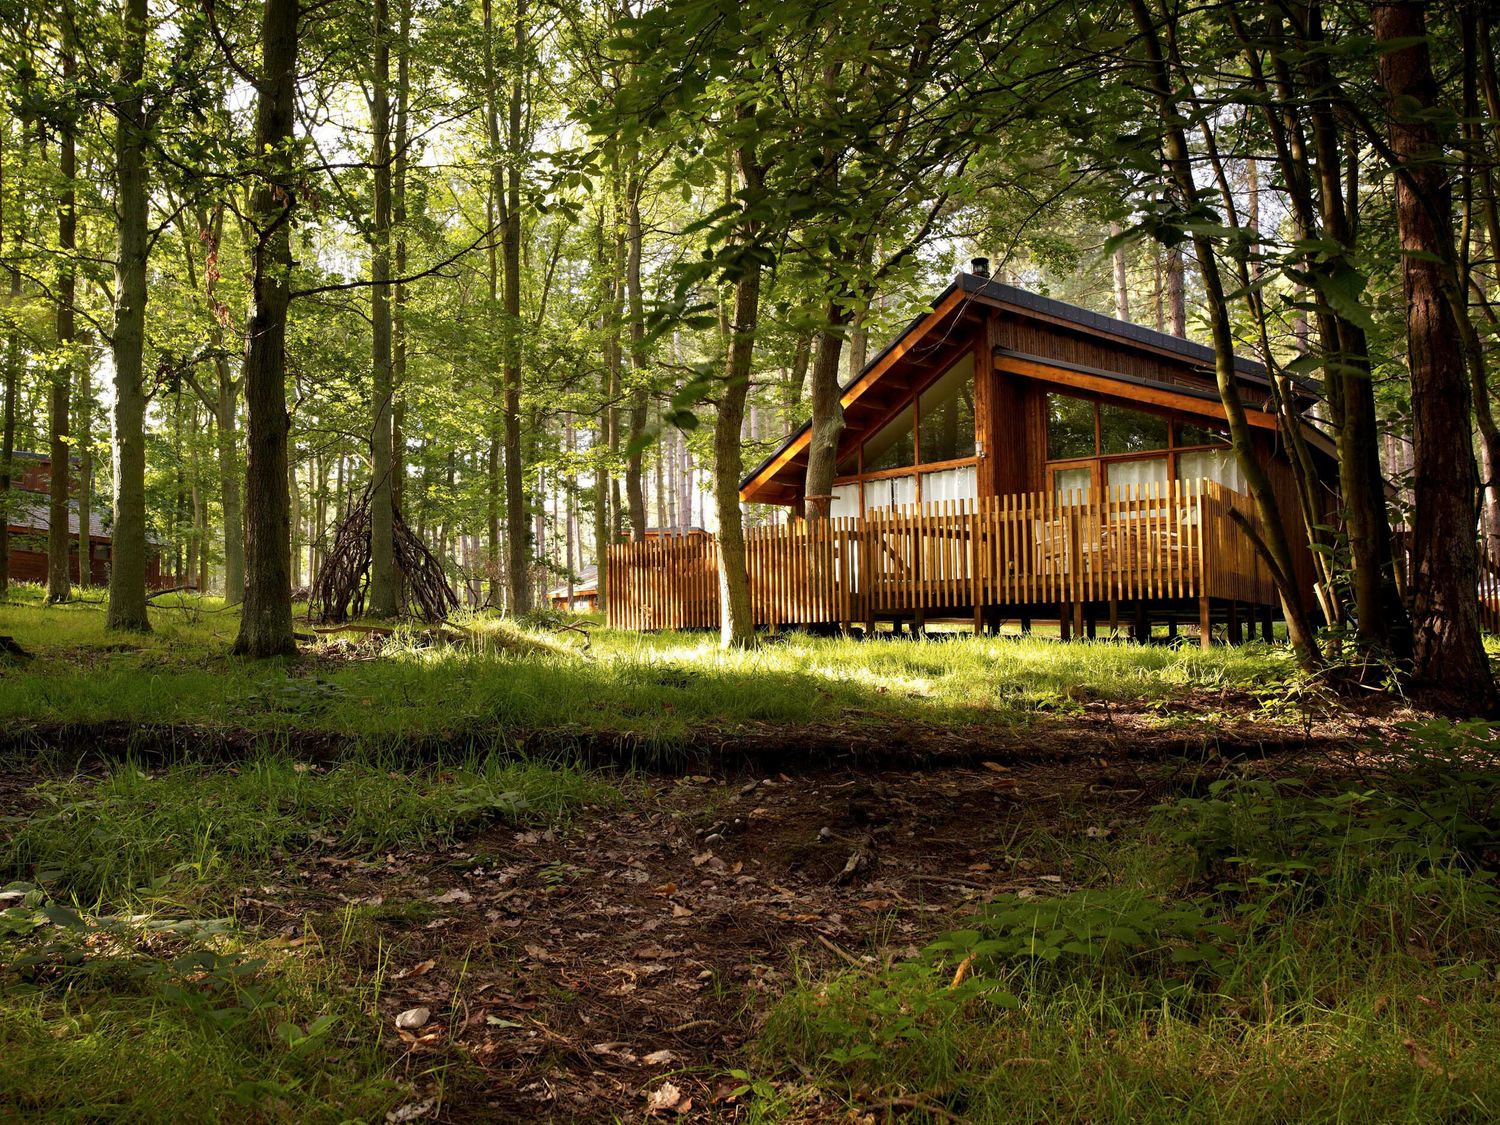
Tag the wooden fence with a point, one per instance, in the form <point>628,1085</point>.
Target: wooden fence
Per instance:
<point>1167,542</point>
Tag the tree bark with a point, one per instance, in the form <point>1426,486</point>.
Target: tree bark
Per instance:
<point>385,582</point>
<point>127,573</point>
<point>635,490</point>
<point>266,620</point>
<point>59,583</point>
<point>827,414</point>
<point>1450,663</point>
<point>1122,281</point>
<point>736,623</point>
<point>517,534</point>
<point>1180,172</point>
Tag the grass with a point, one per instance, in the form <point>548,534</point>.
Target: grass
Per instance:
<point>124,996</point>
<point>189,829</point>
<point>657,689</point>
<point>1264,953</point>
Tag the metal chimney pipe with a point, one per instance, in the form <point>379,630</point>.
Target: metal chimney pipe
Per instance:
<point>980,267</point>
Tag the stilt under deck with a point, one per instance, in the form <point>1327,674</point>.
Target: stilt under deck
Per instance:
<point>1110,565</point>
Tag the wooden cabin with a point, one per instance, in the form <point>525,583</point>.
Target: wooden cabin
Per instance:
<point>29,518</point>
<point>1008,457</point>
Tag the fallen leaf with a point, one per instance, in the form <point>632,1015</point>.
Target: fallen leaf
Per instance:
<point>421,968</point>
<point>413,1018</point>
<point>667,1098</point>
<point>411,1111</point>
<point>995,767</point>
<point>666,889</point>
<point>659,1058</point>
<point>680,911</point>
<point>457,894</point>
<point>1421,1059</point>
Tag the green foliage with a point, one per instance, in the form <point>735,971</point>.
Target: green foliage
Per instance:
<point>175,830</point>
<point>110,1018</point>
<point>1264,951</point>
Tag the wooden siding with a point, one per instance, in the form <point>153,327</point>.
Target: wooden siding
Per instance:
<point>1163,544</point>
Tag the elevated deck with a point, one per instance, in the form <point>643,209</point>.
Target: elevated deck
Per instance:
<point>1174,551</point>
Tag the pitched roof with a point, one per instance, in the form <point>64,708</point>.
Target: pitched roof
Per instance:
<point>31,511</point>
<point>995,294</point>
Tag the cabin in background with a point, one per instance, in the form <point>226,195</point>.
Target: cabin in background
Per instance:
<point>29,519</point>
<point>1010,456</point>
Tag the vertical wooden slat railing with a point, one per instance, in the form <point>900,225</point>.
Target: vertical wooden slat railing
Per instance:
<point>1171,540</point>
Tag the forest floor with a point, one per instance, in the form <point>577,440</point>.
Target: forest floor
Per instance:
<point>973,880</point>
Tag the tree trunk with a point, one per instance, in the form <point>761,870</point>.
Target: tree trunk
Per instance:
<point>127,572</point>
<point>399,163</point>
<point>1122,282</point>
<point>384,590</point>
<point>1177,292</point>
<point>59,583</point>
<point>266,621</point>
<point>84,440</point>
<point>1180,172</point>
<point>827,414</point>
<point>1450,662</point>
<point>635,490</point>
<point>518,538</point>
<point>8,436</point>
<point>736,624</point>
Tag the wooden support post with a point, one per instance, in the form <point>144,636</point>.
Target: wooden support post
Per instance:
<point>1236,635</point>
<point>1064,623</point>
<point>1140,629</point>
<point>1091,620</point>
<point>1205,624</point>
<point>1267,631</point>
<point>1114,618</point>
<point>1078,620</point>
<point>1171,628</point>
<point>1025,624</point>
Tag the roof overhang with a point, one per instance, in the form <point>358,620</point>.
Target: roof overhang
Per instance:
<point>928,338</point>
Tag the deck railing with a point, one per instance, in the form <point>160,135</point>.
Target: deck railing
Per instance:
<point>1172,541</point>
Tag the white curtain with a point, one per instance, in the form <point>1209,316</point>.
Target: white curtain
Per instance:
<point>949,484</point>
<point>845,500</point>
<point>1142,474</point>
<point>1212,464</point>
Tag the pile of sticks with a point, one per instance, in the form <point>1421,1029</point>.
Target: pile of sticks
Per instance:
<point>344,580</point>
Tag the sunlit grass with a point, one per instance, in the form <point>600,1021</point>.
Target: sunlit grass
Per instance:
<point>512,681</point>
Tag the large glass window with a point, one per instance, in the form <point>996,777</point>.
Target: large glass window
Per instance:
<point>892,447</point>
<point>1070,427</point>
<point>1141,473</point>
<point>1212,464</point>
<point>1072,484</point>
<point>1130,431</point>
<point>1191,433</point>
<point>957,483</point>
<point>946,413</point>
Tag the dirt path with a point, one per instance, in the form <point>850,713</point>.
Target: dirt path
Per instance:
<point>569,974</point>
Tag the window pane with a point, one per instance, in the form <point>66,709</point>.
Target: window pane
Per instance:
<point>892,447</point>
<point>1070,427</point>
<point>849,466</point>
<point>845,500</point>
<point>1212,464</point>
<point>1130,431</point>
<point>1068,482</point>
<point>949,484</point>
<point>890,492</point>
<point>947,412</point>
<point>1189,433</point>
<point>1141,473</point>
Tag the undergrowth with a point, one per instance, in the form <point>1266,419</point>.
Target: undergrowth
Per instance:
<point>1265,951</point>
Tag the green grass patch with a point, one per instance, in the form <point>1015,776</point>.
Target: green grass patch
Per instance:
<point>1265,952</point>
<point>656,689</point>
<point>110,1018</point>
<point>187,829</point>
